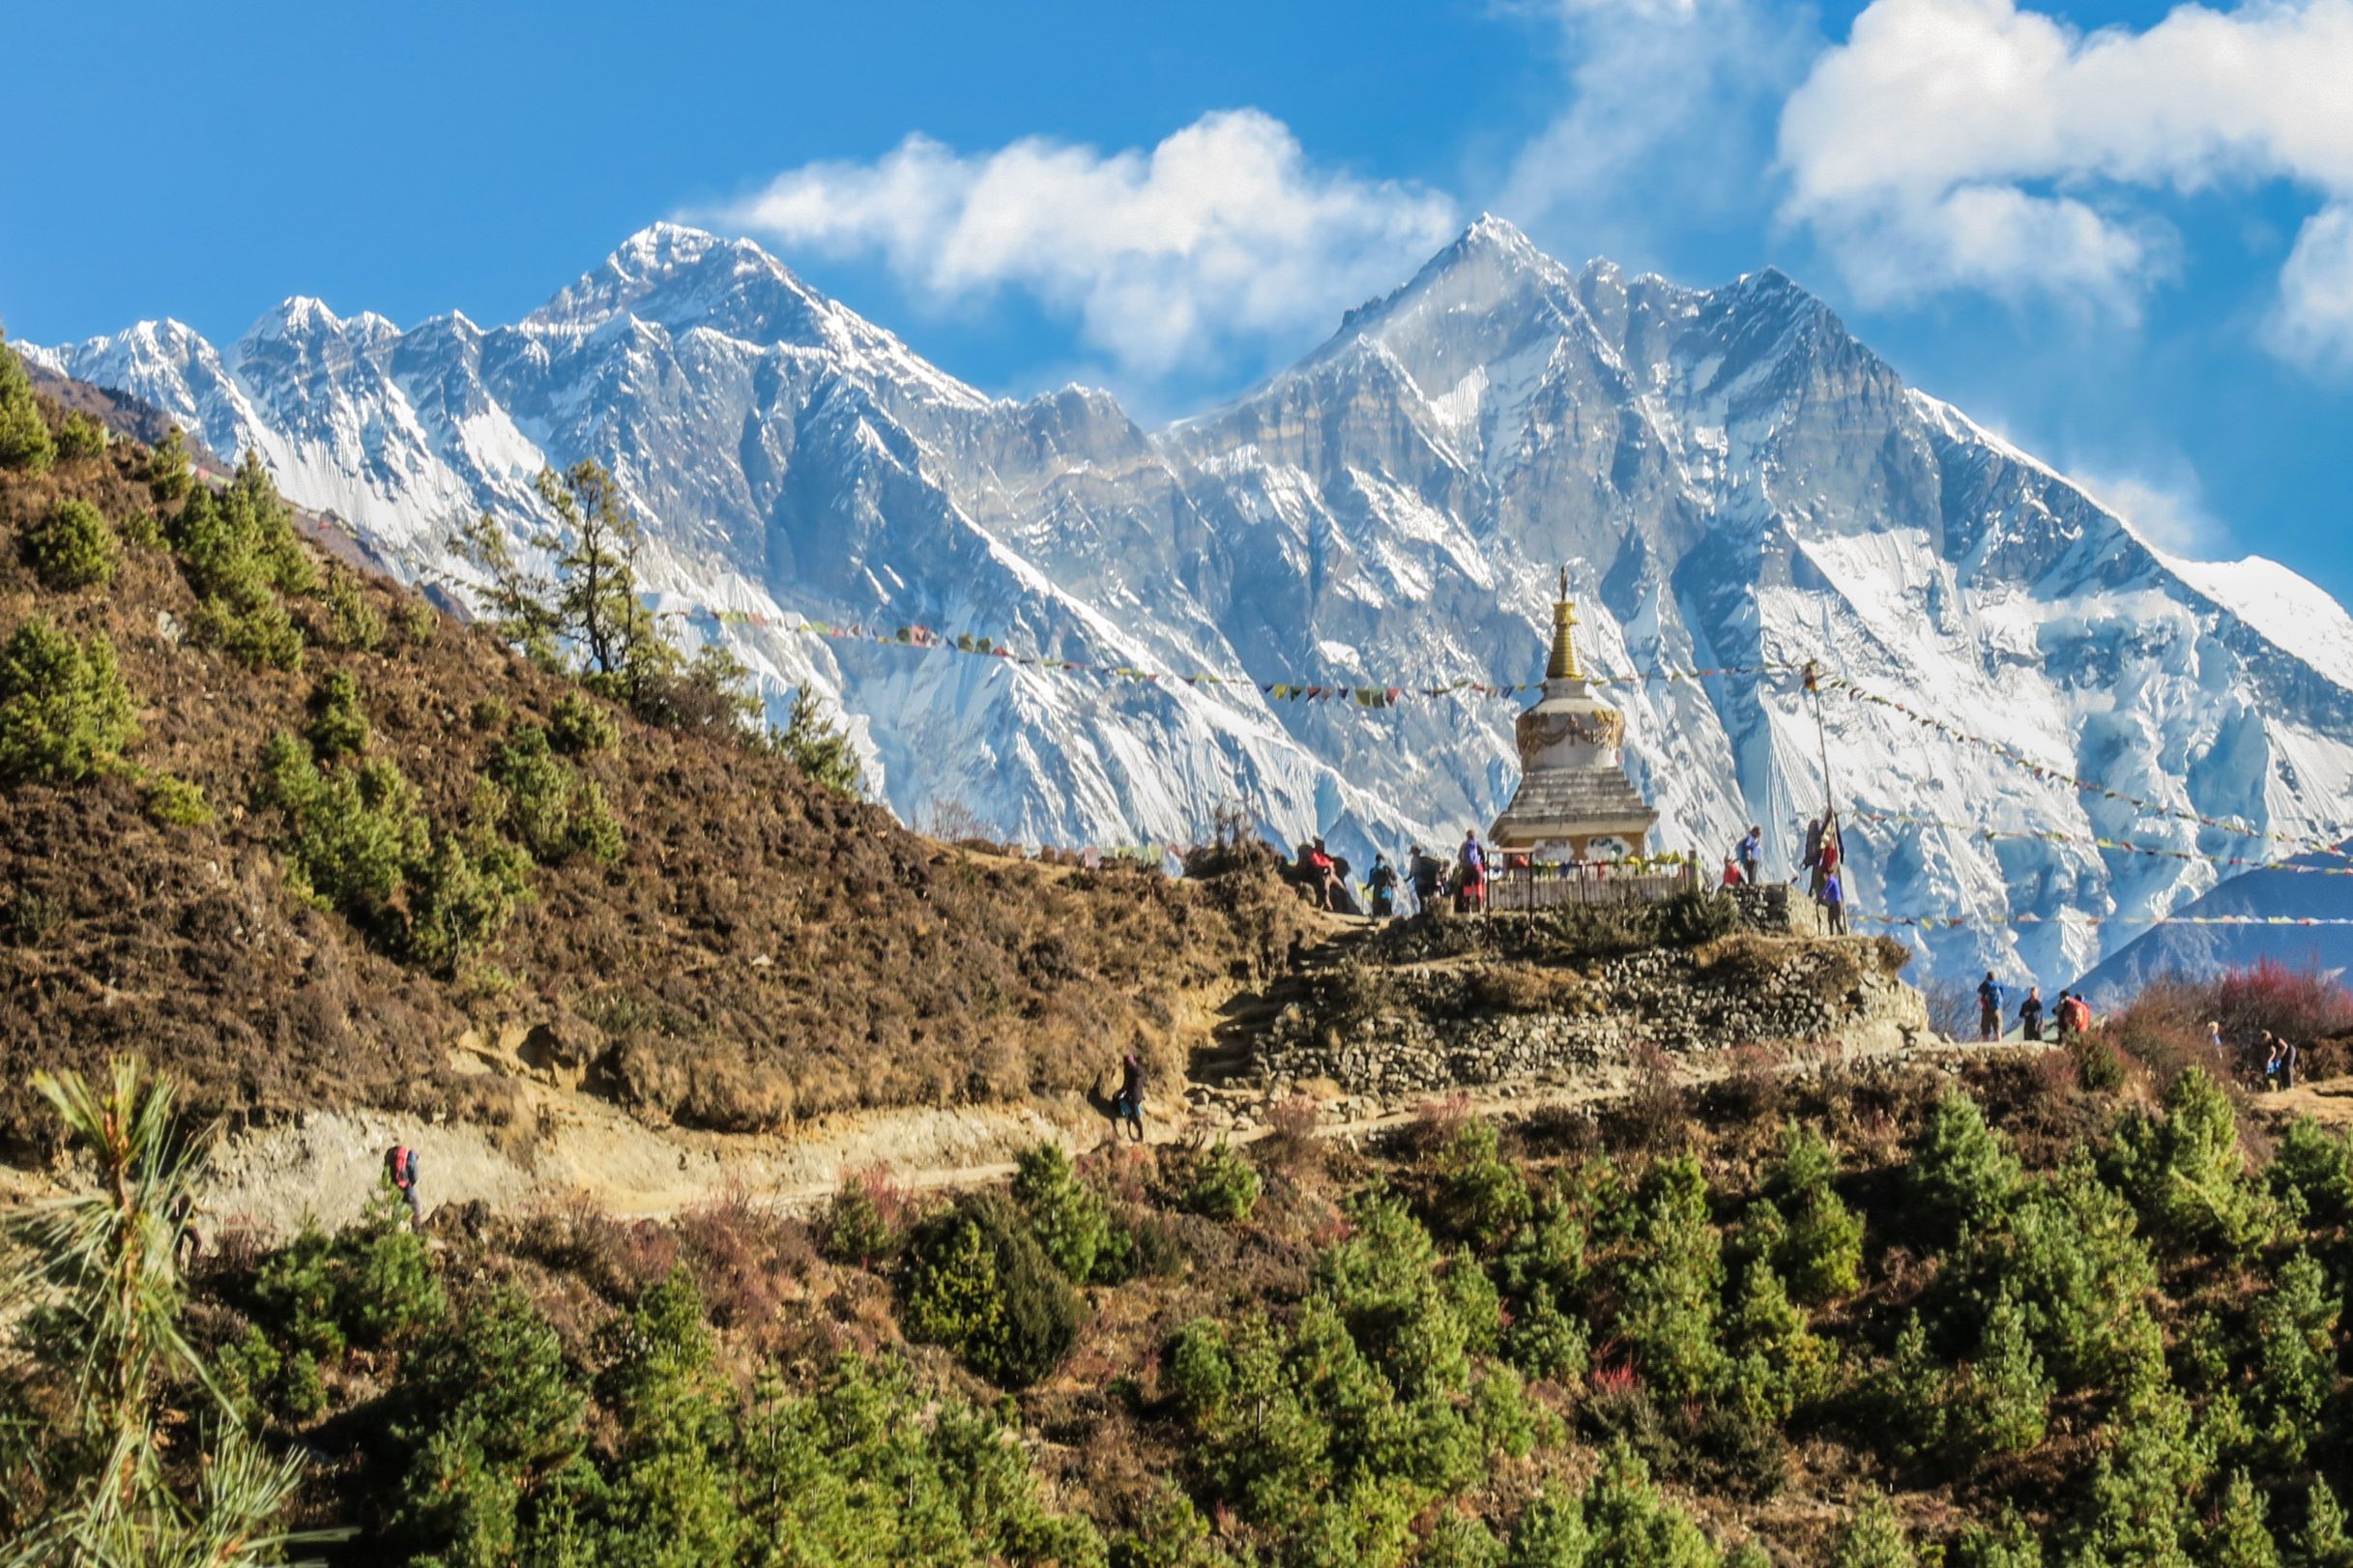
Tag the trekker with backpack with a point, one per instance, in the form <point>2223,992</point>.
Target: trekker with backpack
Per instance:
<point>1988,1007</point>
<point>400,1168</point>
<point>2030,1015</point>
<point>1833,906</point>
<point>1383,882</point>
<point>1750,854</point>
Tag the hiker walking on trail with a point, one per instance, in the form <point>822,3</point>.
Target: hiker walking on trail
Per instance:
<point>1833,906</point>
<point>1471,863</point>
<point>2030,1015</point>
<point>401,1168</point>
<point>1988,1007</point>
<point>1752,854</point>
<point>1127,1106</point>
<point>1382,880</point>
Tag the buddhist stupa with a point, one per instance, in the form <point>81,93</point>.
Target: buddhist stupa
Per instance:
<point>1575,801</point>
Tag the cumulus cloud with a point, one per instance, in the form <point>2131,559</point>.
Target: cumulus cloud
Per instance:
<point>1166,260</point>
<point>1674,94</point>
<point>1971,144</point>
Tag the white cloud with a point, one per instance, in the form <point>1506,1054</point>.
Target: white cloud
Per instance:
<point>1970,144</point>
<point>1223,234</point>
<point>2313,322</point>
<point>2169,512</point>
<point>1662,95</point>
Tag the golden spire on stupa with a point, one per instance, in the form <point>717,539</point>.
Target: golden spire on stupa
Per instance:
<point>1563,663</point>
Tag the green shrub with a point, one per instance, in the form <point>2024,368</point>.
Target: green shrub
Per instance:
<point>1962,1171</point>
<point>1481,1197</point>
<point>141,530</point>
<point>820,748</point>
<point>2004,1405</point>
<point>1627,1522</point>
<point>71,547</point>
<point>338,723</point>
<point>65,713</point>
<point>2187,1173</point>
<point>1669,1283</point>
<point>975,1280</point>
<point>1821,1250</point>
<point>176,802</point>
<point>351,835</point>
<point>369,1284</point>
<point>1223,1186</point>
<point>459,898</point>
<point>353,624</point>
<point>550,809</point>
<point>2295,1337</point>
<point>2322,1543</point>
<point>1551,1531</point>
<point>581,724</point>
<point>854,1229</point>
<point>251,627</point>
<point>2240,1537</point>
<point>1456,1540</point>
<point>169,476</point>
<point>1065,1214</point>
<point>80,439</point>
<point>1764,1326</point>
<point>490,1425</point>
<point>419,622</point>
<point>2072,1256</point>
<point>1196,1370</point>
<point>1545,1341</point>
<point>2315,1167</point>
<point>1872,1538</point>
<point>24,435</point>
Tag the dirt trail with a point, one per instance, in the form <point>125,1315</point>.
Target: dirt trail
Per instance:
<point>324,1167</point>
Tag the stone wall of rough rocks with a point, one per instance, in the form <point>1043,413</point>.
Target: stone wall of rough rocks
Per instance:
<point>1385,1032</point>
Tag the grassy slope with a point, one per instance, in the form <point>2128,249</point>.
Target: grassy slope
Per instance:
<point>764,949</point>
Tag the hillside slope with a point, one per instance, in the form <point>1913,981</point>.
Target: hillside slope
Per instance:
<point>760,949</point>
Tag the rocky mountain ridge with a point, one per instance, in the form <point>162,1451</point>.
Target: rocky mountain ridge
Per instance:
<point>1732,478</point>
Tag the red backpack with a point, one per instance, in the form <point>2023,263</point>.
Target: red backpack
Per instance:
<point>401,1163</point>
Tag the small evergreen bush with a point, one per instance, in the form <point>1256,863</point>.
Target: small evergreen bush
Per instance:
<point>71,547</point>
<point>65,713</point>
<point>581,724</point>
<point>353,625</point>
<point>80,439</point>
<point>25,443</point>
<point>1223,1186</point>
<point>975,1280</point>
<point>176,802</point>
<point>338,723</point>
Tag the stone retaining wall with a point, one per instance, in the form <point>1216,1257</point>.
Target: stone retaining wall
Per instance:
<point>1386,1033</point>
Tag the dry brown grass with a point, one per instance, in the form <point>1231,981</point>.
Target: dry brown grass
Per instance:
<point>763,951</point>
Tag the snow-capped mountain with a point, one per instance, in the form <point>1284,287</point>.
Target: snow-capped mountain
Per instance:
<point>2316,892</point>
<point>1730,478</point>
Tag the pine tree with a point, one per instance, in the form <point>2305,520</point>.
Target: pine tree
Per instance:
<point>596,544</point>
<point>2006,1400</point>
<point>25,443</point>
<point>71,547</point>
<point>1872,1537</point>
<point>2322,1543</point>
<point>1550,1532</point>
<point>169,476</point>
<point>1668,1305</point>
<point>2240,1538</point>
<point>1962,1171</point>
<point>1765,1326</point>
<point>105,1350</point>
<point>818,747</point>
<point>65,713</point>
<point>519,604</point>
<point>1821,1252</point>
<point>2295,1333</point>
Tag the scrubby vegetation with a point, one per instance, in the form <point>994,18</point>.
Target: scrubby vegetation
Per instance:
<point>270,818</point>
<point>2005,1318</point>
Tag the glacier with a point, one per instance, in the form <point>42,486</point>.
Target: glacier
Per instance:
<point>1728,476</point>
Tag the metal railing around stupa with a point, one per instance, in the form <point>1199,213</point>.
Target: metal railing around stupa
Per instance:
<point>1524,888</point>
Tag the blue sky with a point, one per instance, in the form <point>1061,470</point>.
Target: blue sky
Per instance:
<point>2122,235</point>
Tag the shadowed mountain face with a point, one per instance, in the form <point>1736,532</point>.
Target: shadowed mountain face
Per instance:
<point>1730,476</point>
